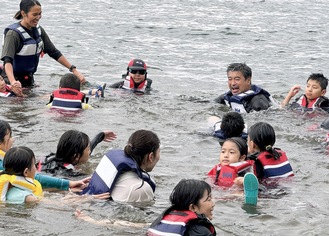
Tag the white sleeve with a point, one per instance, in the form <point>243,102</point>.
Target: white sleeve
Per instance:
<point>130,188</point>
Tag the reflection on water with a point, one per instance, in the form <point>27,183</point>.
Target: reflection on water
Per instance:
<point>187,46</point>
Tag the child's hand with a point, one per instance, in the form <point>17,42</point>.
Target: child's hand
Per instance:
<point>109,136</point>
<point>294,90</point>
<point>238,181</point>
<point>78,186</point>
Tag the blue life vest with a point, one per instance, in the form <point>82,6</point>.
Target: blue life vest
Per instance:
<point>239,102</point>
<point>111,166</point>
<point>27,59</point>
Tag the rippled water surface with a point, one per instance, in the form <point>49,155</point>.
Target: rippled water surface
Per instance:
<point>187,46</point>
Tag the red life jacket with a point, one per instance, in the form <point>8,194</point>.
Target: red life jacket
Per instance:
<point>313,104</point>
<point>175,223</point>
<point>275,168</point>
<point>225,175</point>
<point>67,99</point>
<point>130,84</point>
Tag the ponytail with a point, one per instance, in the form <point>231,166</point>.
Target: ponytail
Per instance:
<point>273,151</point>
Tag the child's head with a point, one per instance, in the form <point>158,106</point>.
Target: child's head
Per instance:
<point>232,124</point>
<point>193,195</point>
<point>144,147</point>
<point>20,161</point>
<point>137,69</point>
<point>6,140</point>
<point>233,150</point>
<point>71,81</point>
<point>73,147</point>
<point>261,136</point>
<point>316,86</point>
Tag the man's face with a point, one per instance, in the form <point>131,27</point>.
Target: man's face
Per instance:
<point>237,83</point>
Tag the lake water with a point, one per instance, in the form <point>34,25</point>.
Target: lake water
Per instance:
<point>187,46</point>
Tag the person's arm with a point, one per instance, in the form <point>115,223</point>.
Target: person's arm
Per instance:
<point>116,85</point>
<point>52,182</point>
<point>293,91</point>
<point>106,136</point>
<point>11,45</point>
<point>220,99</point>
<point>54,53</point>
<point>259,102</point>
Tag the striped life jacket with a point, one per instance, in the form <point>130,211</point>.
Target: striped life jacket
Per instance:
<point>225,175</point>
<point>175,223</point>
<point>275,168</point>
<point>21,182</point>
<point>67,99</point>
<point>7,93</point>
<point>129,83</point>
<point>111,166</point>
<point>27,59</point>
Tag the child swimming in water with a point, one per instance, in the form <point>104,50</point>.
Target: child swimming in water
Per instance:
<point>190,212</point>
<point>17,183</point>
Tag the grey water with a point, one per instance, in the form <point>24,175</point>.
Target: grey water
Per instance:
<point>187,45</point>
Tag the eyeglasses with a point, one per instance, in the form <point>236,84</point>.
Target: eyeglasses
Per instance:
<point>141,72</point>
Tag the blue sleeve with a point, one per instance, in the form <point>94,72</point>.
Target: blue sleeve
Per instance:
<point>52,182</point>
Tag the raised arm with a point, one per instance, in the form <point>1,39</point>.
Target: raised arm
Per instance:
<point>293,91</point>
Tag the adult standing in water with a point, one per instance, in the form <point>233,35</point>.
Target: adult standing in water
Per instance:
<point>24,42</point>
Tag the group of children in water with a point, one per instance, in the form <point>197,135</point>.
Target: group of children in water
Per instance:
<point>247,158</point>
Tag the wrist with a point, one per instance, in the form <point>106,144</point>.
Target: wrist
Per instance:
<point>72,67</point>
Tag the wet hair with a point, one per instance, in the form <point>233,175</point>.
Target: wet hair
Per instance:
<point>323,81</point>
<point>4,129</point>
<point>185,193</point>
<point>242,67</point>
<point>70,81</point>
<point>232,124</point>
<point>241,144</point>
<point>70,146</point>
<point>17,159</point>
<point>263,135</point>
<point>140,143</point>
<point>26,6</point>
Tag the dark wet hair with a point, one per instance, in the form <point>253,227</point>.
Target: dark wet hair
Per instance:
<point>263,135</point>
<point>17,159</point>
<point>242,67</point>
<point>188,191</point>
<point>185,193</point>
<point>26,6</point>
<point>241,143</point>
<point>232,124</point>
<point>70,80</point>
<point>4,129</point>
<point>140,143</point>
<point>323,81</point>
<point>70,146</point>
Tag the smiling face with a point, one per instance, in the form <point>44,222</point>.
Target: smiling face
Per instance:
<point>313,90</point>
<point>230,153</point>
<point>205,205</point>
<point>137,77</point>
<point>32,17</point>
<point>237,83</point>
